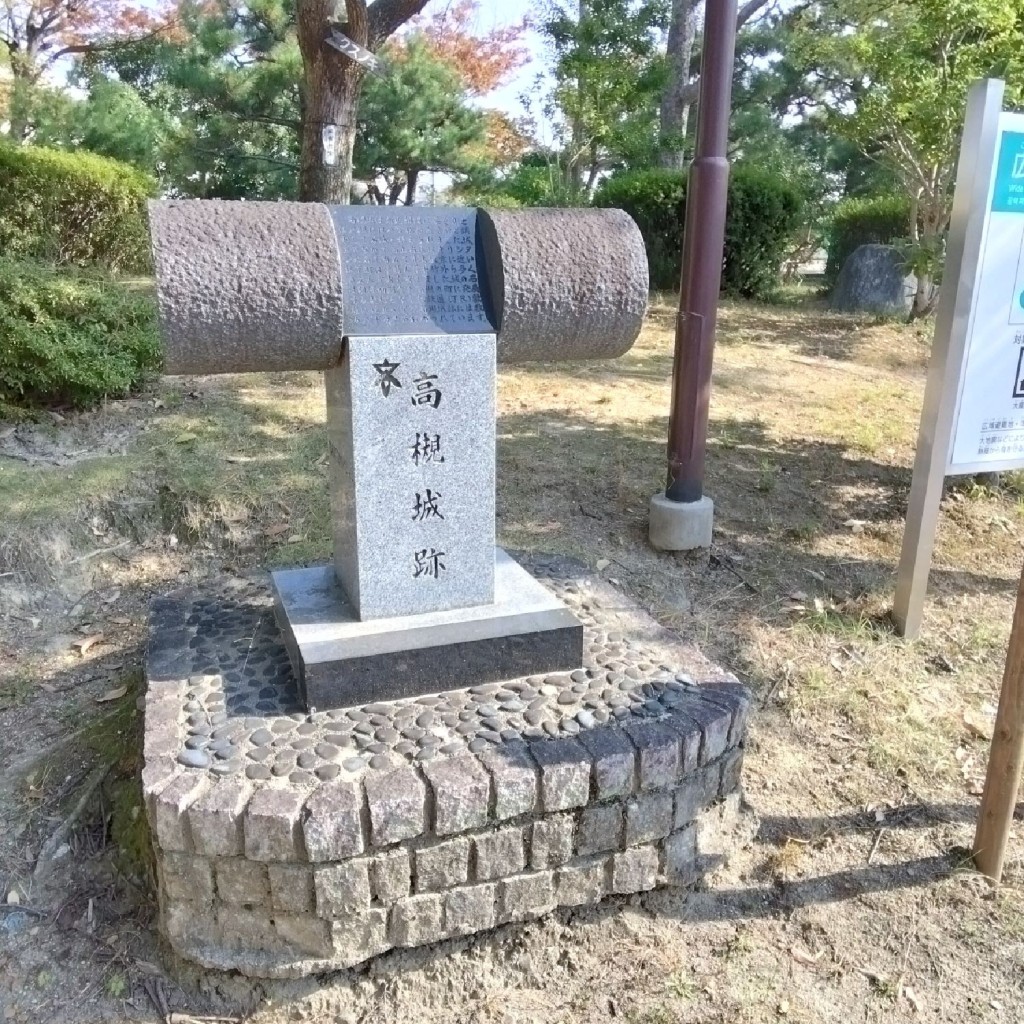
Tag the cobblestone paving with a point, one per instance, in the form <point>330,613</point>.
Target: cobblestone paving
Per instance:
<point>243,713</point>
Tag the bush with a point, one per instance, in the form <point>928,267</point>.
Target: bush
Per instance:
<point>71,337</point>
<point>73,208</point>
<point>861,221</point>
<point>656,200</point>
<point>760,219</point>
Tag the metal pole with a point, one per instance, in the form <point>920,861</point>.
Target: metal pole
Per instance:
<point>946,366</point>
<point>703,245</point>
<point>1005,759</point>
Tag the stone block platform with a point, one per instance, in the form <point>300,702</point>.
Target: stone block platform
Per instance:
<point>292,843</point>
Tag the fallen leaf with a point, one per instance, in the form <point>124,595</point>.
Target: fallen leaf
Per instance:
<point>110,695</point>
<point>277,529</point>
<point>978,724</point>
<point>121,620</point>
<point>801,956</point>
<point>797,595</point>
<point>913,999</point>
<point>185,437</point>
<point>238,458</point>
<point>295,538</point>
<point>602,564</point>
<point>83,646</point>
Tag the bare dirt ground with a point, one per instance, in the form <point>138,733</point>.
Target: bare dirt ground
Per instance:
<point>854,901</point>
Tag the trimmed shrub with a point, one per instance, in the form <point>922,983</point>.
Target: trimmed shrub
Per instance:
<point>656,200</point>
<point>73,208</point>
<point>71,337</point>
<point>760,219</point>
<point>762,215</point>
<point>862,221</point>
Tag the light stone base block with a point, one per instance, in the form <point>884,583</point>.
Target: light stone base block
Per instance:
<point>340,661</point>
<point>681,526</point>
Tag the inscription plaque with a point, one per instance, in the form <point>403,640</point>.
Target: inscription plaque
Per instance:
<point>417,273</point>
<point>410,420</point>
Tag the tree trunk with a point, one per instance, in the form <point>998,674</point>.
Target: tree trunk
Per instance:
<point>413,178</point>
<point>574,165</point>
<point>677,98</point>
<point>926,297</point>
<point>332,83</point>
<point>331,86</point>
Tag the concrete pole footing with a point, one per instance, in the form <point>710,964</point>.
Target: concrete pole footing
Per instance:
<point>681,526</point>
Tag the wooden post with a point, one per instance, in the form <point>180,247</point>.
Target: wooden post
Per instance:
<point>1005,759</point>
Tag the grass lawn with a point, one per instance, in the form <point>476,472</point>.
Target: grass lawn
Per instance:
<point>855,900</point>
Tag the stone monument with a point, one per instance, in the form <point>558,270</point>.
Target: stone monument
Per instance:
<point>874,279</point>
<point>424,738</point>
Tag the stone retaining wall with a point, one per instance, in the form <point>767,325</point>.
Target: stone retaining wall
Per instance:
<point>274,881</point>
<point>291,842</point>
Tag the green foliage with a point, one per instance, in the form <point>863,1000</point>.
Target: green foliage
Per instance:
<point>223,99</point>
<point>608,73</point>
<point>73,208</point>
<point>416,118</point>
<point>537,180</point>
<point>111,120</point>
<point>71,337</point>
<point>898,77</point>
<point>862,221</point>
<point>762,214</point>
<point>760,219</point>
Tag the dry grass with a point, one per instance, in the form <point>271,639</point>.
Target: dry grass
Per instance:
<point>860,752</point>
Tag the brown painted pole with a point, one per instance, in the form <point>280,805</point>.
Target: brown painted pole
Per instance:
<point>703,244</point>
<point>1006,757</point>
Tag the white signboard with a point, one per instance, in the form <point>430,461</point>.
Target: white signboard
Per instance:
<point>988,430</point>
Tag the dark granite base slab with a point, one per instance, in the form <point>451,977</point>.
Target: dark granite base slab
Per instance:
<point>340,661</point>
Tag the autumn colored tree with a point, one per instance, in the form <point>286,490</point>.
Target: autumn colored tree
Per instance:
<point>36,34</point>
<point>483,61</point>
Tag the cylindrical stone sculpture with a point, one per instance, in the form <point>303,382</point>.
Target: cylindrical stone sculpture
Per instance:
<point>246,287</point>
<point>565,284</point>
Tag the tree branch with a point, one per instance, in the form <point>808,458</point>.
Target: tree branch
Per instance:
<point>690,92</point>
<point>387,16</point>
<point>748,10</point>
<point>102,46</point>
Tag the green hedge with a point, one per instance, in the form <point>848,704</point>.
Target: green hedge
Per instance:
<point>73,208</point>
<point>861,221</point>
<point>71,337</point>
<point>761,216</point>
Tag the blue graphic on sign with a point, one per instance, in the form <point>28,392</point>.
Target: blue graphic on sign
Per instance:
<point>1008,196</point>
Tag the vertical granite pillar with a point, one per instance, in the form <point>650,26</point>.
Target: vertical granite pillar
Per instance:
<point>411,429</point>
